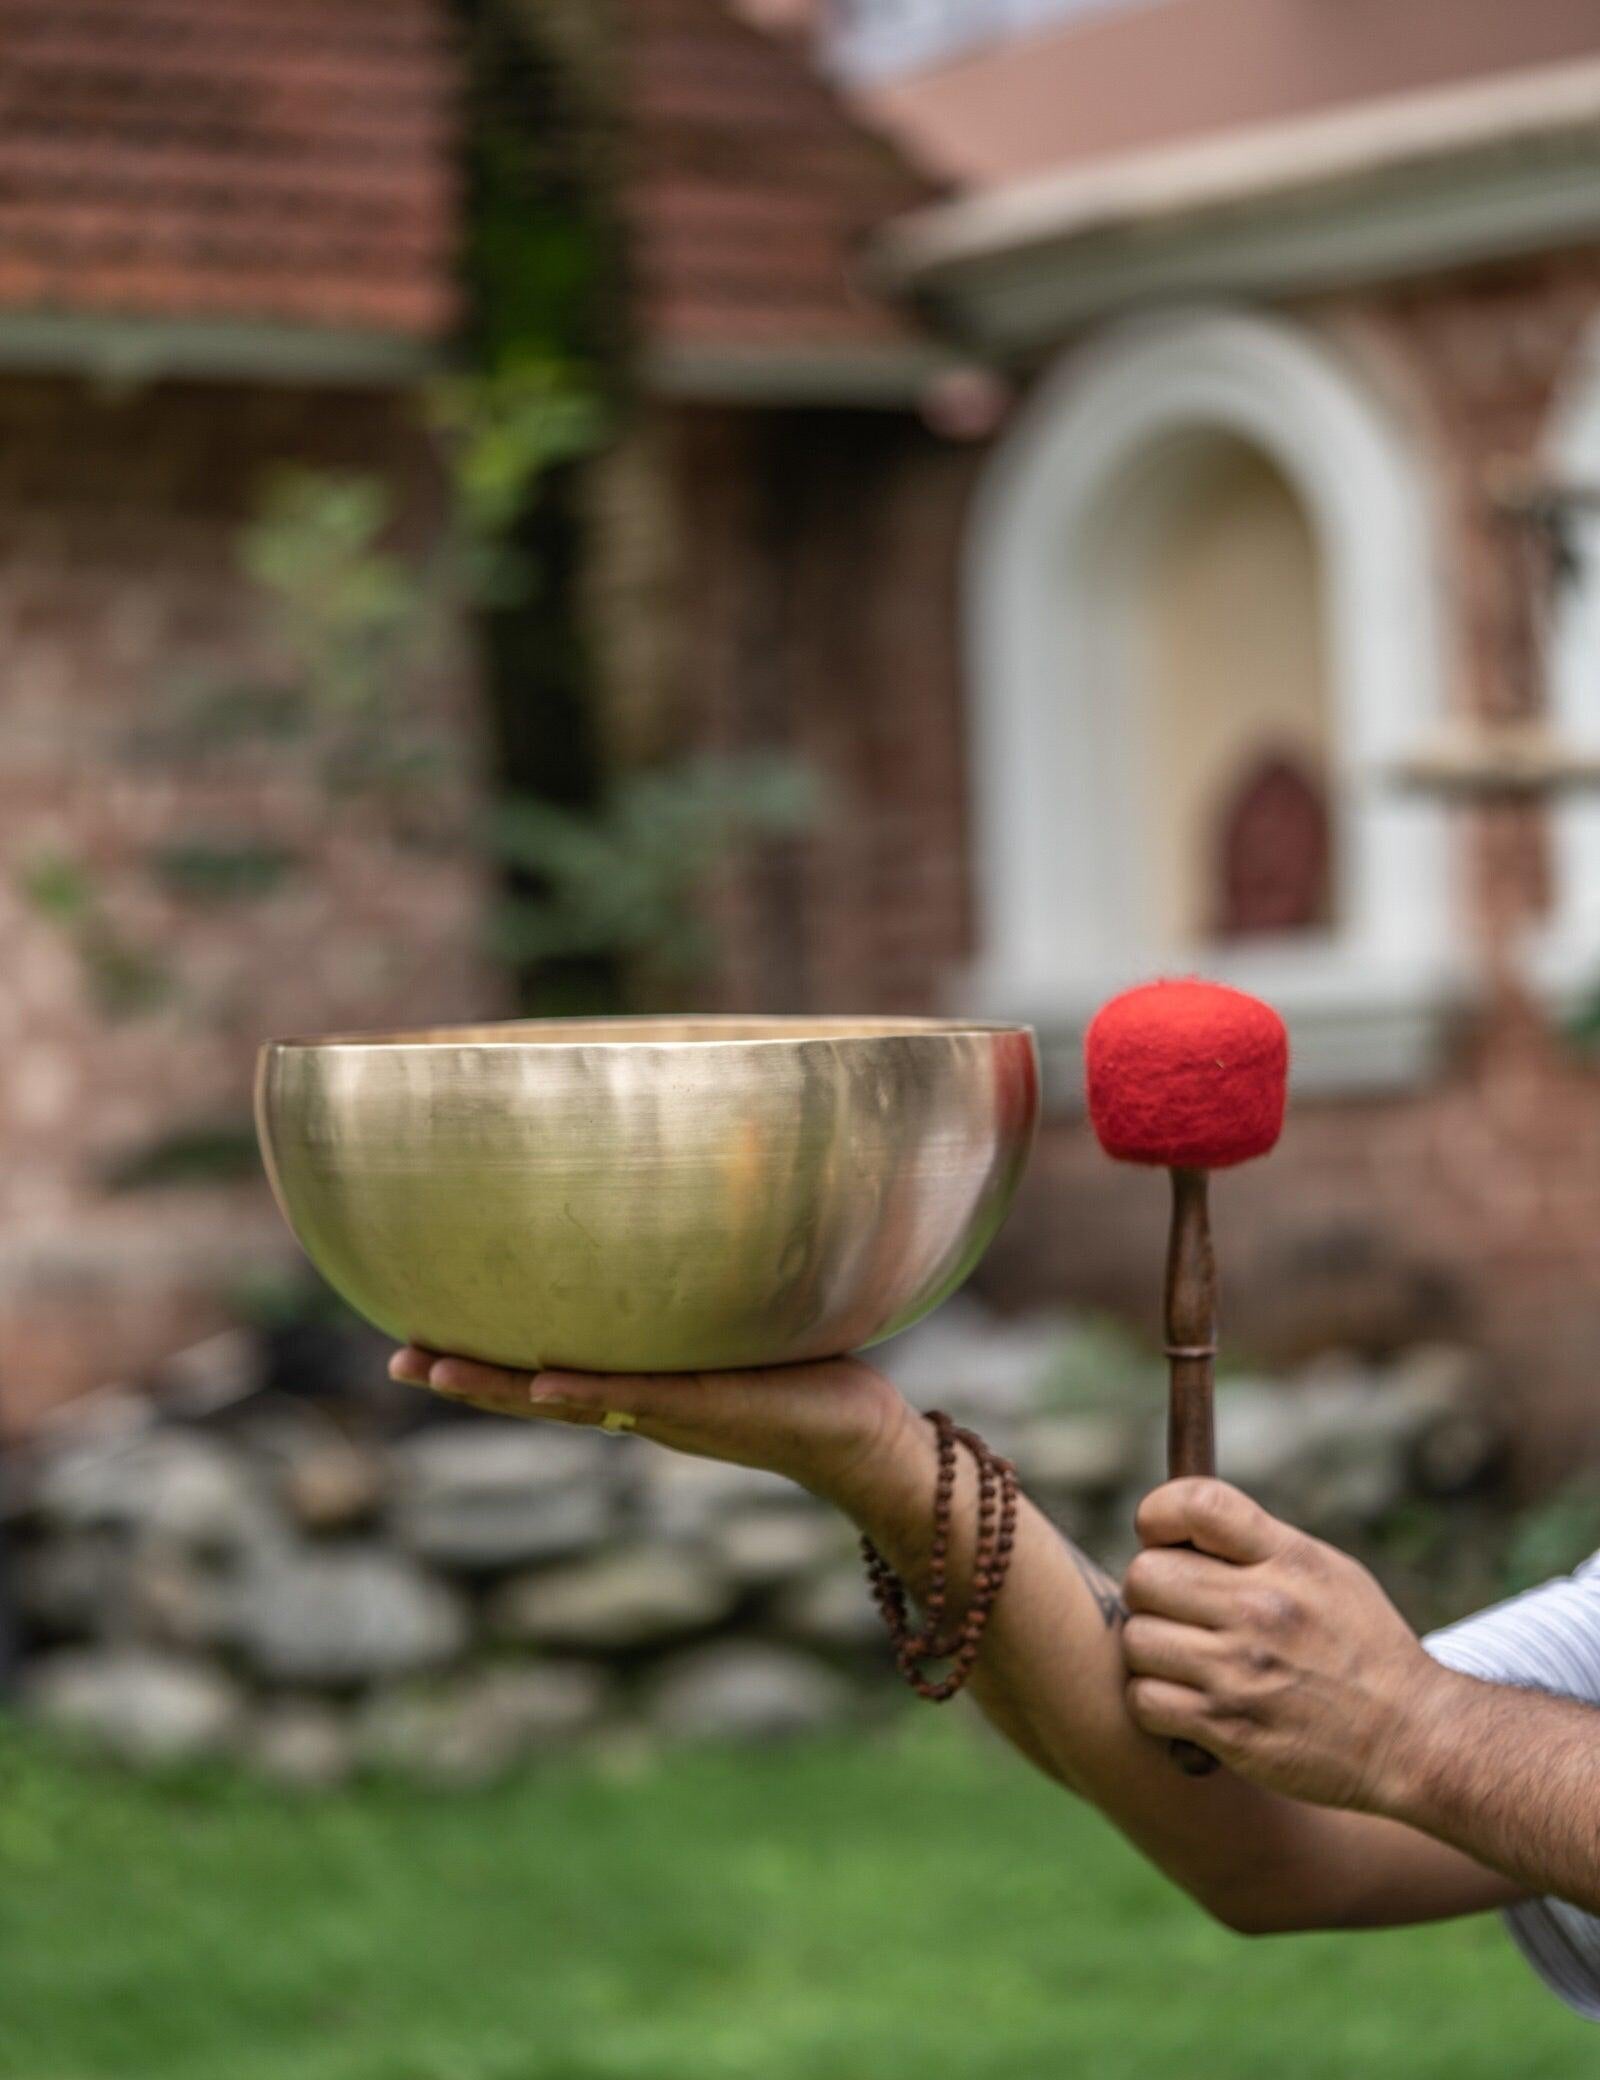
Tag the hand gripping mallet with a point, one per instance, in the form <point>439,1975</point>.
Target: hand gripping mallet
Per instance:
<point>1191,1075</point>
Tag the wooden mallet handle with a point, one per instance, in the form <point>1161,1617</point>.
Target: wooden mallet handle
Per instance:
<point>1191,1333</point>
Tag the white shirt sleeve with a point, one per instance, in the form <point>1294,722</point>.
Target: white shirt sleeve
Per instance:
<point>1546,1639</point>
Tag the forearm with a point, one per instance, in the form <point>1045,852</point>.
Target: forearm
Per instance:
<point>1051,1678</point>
<point>1511,1777</point>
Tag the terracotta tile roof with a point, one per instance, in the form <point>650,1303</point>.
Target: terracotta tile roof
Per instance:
<point>749,190</point>
<point>282,160</point>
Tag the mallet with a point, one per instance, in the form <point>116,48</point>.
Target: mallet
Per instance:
<point>1190,1075</point>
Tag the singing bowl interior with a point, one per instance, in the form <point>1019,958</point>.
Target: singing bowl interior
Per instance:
<point>634,1195</point>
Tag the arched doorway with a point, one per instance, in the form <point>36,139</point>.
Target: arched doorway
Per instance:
<point>1202,620</point>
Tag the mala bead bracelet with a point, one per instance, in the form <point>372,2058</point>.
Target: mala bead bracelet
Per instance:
<point>917,1649</point>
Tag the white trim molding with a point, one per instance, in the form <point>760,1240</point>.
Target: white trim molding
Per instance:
<point>1058,860</point>
<point>1564,956</point>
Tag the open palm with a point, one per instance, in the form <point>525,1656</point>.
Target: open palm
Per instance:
<point>813,1423</point>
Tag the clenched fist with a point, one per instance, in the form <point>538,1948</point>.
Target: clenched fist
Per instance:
<point>1279,1654</point>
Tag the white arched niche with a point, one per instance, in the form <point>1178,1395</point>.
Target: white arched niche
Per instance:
<point>1062,844</point>
<point>1566,953</point>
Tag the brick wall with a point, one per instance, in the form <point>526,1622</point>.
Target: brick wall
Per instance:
<point>822,589</point>
<point>119,602</point>
<point>822,575</point>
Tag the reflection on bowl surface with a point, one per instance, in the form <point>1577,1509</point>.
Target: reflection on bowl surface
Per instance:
<point>632,1195</point>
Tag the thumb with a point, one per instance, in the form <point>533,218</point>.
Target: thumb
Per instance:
<point>1213,1516</point>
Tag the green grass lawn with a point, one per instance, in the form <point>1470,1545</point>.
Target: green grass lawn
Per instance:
<point>916,1905</point>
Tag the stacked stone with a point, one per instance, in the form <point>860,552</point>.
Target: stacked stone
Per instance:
<point>317,1589</point>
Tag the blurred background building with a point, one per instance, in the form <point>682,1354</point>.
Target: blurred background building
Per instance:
<point>1101,444</point>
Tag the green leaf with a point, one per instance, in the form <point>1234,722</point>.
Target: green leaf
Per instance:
<point>625,879</point>
<point>124,981</point>
<point>199,1152</point>
<point>58,888</point>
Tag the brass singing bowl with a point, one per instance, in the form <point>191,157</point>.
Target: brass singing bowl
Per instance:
<point>649,1195</point>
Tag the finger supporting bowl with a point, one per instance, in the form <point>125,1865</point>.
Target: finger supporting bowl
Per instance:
<point>649,1195</point>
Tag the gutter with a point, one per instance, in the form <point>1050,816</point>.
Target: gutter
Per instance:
<point>126,352</point>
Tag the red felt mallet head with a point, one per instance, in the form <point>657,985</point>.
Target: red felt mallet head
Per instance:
<point>1187,1074</point>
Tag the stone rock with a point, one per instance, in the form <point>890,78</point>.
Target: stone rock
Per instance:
<point>113,1415</point>
<point>632,1597</point>
<point>1092,1454</point>
<point>971,1361</point>
<point>508,1530</point>
<point>1325,1455</point>
<point>1457,1451</point>
<point>176,1484</point>
<point>325,1480</point>
<point>743,1691</point>
<point>1443,1397</point>
<point>92,1584</point>
<point>834,1610</point>
<point>548,1701</point>
<point>223,1369</point>
<point>303,1742</point>
<point>337,1487</point>
<point>437,1739</point>
<point>169,1598</point>
<point>476,1728</point>
<point>488,1495</point>
<point>1261,1436</point>
<point>1447,1375</point>
<point>762,1548</point>
<point>67,1585</point>
<point>343,1615</point>
<point>682,1497</point>
<point>481,1454</point>
<point>1341,1444</point>
<point>143,1707</point>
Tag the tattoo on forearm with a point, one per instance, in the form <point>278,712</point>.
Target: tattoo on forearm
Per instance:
<point>1107,1597</point>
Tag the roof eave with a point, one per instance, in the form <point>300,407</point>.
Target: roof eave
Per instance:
<point>1433,183</point>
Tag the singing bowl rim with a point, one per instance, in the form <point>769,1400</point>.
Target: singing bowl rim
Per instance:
<point>672,1030</point>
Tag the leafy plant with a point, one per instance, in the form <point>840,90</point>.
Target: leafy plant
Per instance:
<point>342,601</point>
<point>503,430</point>
<point>208,1151</point>
<point>123,980</point>
<point>625,880</point>
<point>1552,1536</point>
